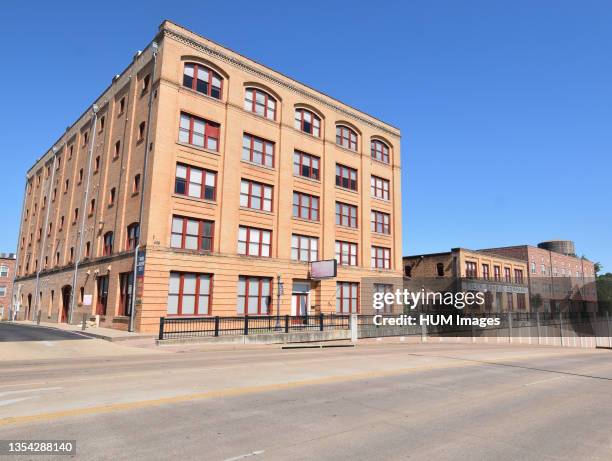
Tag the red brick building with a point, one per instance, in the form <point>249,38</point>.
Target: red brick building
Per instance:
<point>563,281</point>
<point>7,273</point>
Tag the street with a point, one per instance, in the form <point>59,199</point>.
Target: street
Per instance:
<point>384,400</point>
<point>10,332</point>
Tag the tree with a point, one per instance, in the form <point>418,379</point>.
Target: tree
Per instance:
<point>598,267</point>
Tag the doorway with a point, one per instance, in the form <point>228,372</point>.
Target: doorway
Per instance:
<point>300,299</point>
<point>29,312</point>
<point>66,295</point>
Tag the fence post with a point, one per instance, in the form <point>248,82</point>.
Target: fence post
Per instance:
<point>286,323</point>
<point>509,326</point>
<point>423,332</point>
<point>561,327</point>
<point>84,323</point>
<point>354,328</point>
<point>538,324</point>
<point>38,316</point>
<point>321,321</point>
<point>161,327</point>
<point>216,325</point>
<point>609,331</point>
<point>246,325</point>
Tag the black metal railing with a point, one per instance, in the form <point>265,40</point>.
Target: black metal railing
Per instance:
<point>193,327</point>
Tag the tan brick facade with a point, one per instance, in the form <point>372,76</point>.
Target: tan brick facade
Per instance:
<point>7,273</point>
<point>118,155</point>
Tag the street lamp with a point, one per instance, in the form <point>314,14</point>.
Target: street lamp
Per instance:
<point>279,293</point>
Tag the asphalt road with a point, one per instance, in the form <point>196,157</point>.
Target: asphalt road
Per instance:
<point>383,402</point>
<point>12,332</point>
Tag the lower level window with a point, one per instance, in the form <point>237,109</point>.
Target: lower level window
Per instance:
<point>189,293</point>
<point>384,288</point>
<point>192,234</point>
<point>347,297</point>
<point>381,258</point>
<point>125,293</point>
<point>254,295</point>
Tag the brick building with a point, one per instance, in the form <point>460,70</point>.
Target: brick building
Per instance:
<point>562,281</point>
<point>502,278</point>
<point>230,176</point>
<point>7,273</point>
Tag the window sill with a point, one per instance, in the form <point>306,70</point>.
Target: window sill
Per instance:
<point>201,149</point>
<point>305,178</point>
<point>196,199</point>
<point>310,136</point>
<point>258,165</point>
<point>350,151</point>
<point>381,162</point>
<point>201,95</point>
<point>254,210</point>
<point>346,189</point>
<point>384,200</point>
<point>355,229</point>
<point>381,234</point>
<point>306,220</point>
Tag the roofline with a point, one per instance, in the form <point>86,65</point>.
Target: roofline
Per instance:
<point>454,250</point>
<point>279,73</point>
<point>115,79</point>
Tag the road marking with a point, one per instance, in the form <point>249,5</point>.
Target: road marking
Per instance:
<point>543,380</point>
<point>21,391</point>
<point>248,455</point>
<point>8,402</point>
<point>231,392</point>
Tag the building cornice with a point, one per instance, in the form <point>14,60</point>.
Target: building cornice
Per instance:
<point>246,67</point>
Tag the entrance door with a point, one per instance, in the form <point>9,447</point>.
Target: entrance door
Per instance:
<point>300,298</point>
<point>66,293</point>
<point>29,311</point>
<point>299,303</point>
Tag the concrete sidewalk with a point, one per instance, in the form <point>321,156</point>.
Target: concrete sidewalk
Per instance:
<point>107,334</point>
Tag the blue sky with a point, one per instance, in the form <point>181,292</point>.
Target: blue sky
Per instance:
<point>505,107</point>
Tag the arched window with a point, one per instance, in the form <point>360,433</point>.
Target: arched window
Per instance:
<point>346,137</point>
<point>260,103</point>
<point>307,122</point>
<point>380,151</point>
<point>203,80</point>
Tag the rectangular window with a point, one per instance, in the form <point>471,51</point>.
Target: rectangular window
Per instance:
<point>521,303</point>
<point>381,258</point>
<point>125,293</point>
<point>192,234</point>
<point>254,295</point>
<point>2,291</point>
<point>254,242</point>
<point>346,215</point>
<point>255,195</point>
<point>470,269</point>
<point>4,271</point>
<point>518,275</point>
<point>346,177</point>
<point>195,182</point>
<point>507,274</point>
<point>379,188</point>
<point>384,288</point>
<point>347,297</point>
<point>305,206</point>
<point>189,293</point>
<point>496,273</point>
<point>199,132</point>
<point>510,301</point>
<point>257,150</point>
<point>304,248</point>
<point>380,222</point>
<point>305,165</point>
<point>346,253</point>
<point>485,271</point>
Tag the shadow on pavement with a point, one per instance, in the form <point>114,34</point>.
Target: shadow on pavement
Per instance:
<point>10,332</point>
